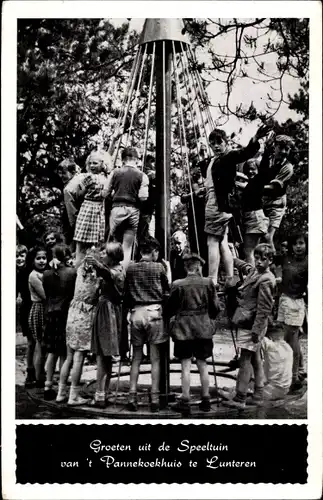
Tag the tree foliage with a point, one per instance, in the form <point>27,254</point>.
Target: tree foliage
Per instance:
<point>73,77</point>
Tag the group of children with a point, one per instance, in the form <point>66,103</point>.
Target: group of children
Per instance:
<point>68,308</point>
<point>67,311</point>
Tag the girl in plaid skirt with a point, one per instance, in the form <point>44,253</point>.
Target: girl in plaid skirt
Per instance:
<point>90,222</point>
<point>36,316</point>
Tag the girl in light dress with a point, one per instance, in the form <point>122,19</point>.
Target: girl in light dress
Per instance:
<point>79,329</point>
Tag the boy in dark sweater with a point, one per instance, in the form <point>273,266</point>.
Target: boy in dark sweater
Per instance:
<point>219,183</point>
<point>193,303</point>
<point>127,187</point>
<point>145,289</point>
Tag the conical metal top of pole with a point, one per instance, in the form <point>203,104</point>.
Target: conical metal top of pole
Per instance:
<point>156,30</point>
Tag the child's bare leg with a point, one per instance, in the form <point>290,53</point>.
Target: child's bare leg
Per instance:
<point>75,398</point>
<point>61,362</point>
<point>135,365</point>
<point>292,338</point>
<point>39,361</point>
<point>30,353</point>
<point>108,371</point>
<point>250,243</point>
<point>214,257</point>
<point>269,237</point>
<point>186,378</point>
<point>67,365</point>
<point>80,253</point>
<point>227,256</point>
<point>51,364</point>
<point>258,369</point>
<point>204,375</point>
<point>155,368</point>
<point>100,374</point>
<point>127,244</point>
<point>64,373</point>
<point>78,360</point>
<point>244,373</point>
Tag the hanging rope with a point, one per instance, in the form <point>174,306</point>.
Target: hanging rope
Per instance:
<point>117,126</point>
<point>137,95</point>
<point>149,105</point>
<point>200,105</point>
<point>164,143</point>
<point>189,103</point>
<point>205,97</point>
<point>127,106</point>
<point>196,100</point>
<point>179,96</point>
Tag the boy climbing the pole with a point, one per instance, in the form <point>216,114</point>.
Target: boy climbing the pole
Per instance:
<point>193,303</point>
<point>146,285</point>
<point>128,188</point>
<point>278,171</point>
<point>220,177</point>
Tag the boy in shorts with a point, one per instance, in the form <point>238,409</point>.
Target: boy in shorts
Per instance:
<point>128,188</point>
<point>145,288</point>
<point>279,171</point>
<point>255,223</point>
<point>193,303</point>
<point>219,183</point>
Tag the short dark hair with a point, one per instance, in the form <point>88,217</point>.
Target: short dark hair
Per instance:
<point>148,245</point>
<point>218,133</point>
<point>293,238</point>
<point>264,250</point>
<point>129,153</point>
<point>61,251</point>
<point>114,249</point>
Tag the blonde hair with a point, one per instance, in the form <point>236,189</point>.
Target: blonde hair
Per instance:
<point>104,157</point>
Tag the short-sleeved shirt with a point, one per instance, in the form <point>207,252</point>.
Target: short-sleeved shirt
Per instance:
<point>146,283</point>
<point>295,278</point>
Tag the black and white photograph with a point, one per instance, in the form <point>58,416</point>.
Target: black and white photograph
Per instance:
<point>162,218</point>
<point>162,224</point>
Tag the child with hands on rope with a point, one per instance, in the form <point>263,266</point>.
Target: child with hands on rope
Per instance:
<point>220,172</point>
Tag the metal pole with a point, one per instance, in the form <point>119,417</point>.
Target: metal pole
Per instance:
<point>163,151</point>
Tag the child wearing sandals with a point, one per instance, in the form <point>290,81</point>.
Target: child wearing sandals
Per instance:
<point>107,318</point>
<point>79,330</point>
<point>36,321</point>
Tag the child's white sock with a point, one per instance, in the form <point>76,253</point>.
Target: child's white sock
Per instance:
<point>62,393</point>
